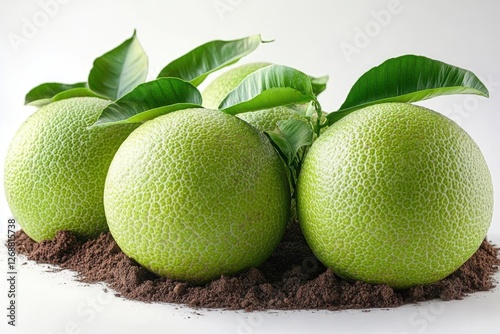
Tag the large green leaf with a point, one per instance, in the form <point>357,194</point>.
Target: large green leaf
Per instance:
<point>408,78</point>
<point>269,87</point>
<point>43,94</point>
<point>118,71</point>
<point>197,64</point>
<point>149,100</point>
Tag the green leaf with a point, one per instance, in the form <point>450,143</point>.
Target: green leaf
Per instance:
<point>197,64</point>
<point>153,113</point>
<point>290,136</point>
<point>319,84</point>
<point>149,100</point>
<point>282,145</point>
<point>118,71</point>
<point>43,94</point>
<point>408,78</point>
<point>269,87</point>
<point>76,92</point>
<point>297,132</point>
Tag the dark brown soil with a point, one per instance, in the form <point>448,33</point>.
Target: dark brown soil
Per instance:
<point>290,279</point>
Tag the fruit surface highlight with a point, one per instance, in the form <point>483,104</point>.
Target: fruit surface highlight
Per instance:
<point>394,194</point>
<point>196,194</point>
<point>56,167</point>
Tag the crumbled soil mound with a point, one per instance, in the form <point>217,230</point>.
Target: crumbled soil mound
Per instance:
<point>290,279</point>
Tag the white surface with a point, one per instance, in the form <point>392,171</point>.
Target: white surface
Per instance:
<point>57,40</point>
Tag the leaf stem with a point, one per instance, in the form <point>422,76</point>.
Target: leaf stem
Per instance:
<point>319,113</point>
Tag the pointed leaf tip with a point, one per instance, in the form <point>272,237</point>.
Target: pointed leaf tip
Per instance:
<point>118,71</point>
<point>44,93</point>
<point>198,63</point>
<point>408,78</point>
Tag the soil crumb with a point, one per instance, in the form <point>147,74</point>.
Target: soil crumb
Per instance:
<point>291,279</point>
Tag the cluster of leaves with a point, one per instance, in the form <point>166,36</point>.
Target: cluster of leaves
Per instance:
<point>120,76</point>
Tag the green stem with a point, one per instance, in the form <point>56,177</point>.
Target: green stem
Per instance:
<point>317,127</point>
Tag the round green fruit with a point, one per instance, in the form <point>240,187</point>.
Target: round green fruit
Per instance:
<point>394,194</point>
<point>196,194</point>
<point>56,167</point>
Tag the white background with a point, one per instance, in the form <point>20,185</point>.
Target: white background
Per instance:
<point>56,40</point>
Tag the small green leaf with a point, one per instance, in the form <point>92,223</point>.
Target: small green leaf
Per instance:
<point>290,136</point>
<point>118,71</point>
<point>197,64</point>
<point>319,84</point>
<point>149,100</point>
<point>297,132</point>
<point>282,146</point>
<point>269,87</point>
<point>43,94</point>
<point>408,78</point>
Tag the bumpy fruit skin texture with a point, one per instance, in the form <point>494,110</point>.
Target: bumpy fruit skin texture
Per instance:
<point>196,194</point>
<point>56,167</point>
<point>394,194</point>
<point>265,120</point>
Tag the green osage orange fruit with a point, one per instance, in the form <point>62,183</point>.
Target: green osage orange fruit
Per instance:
<point>56,167</point>
<point>196,194</point>
<point>394,194</point>
<point>263,120</point>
